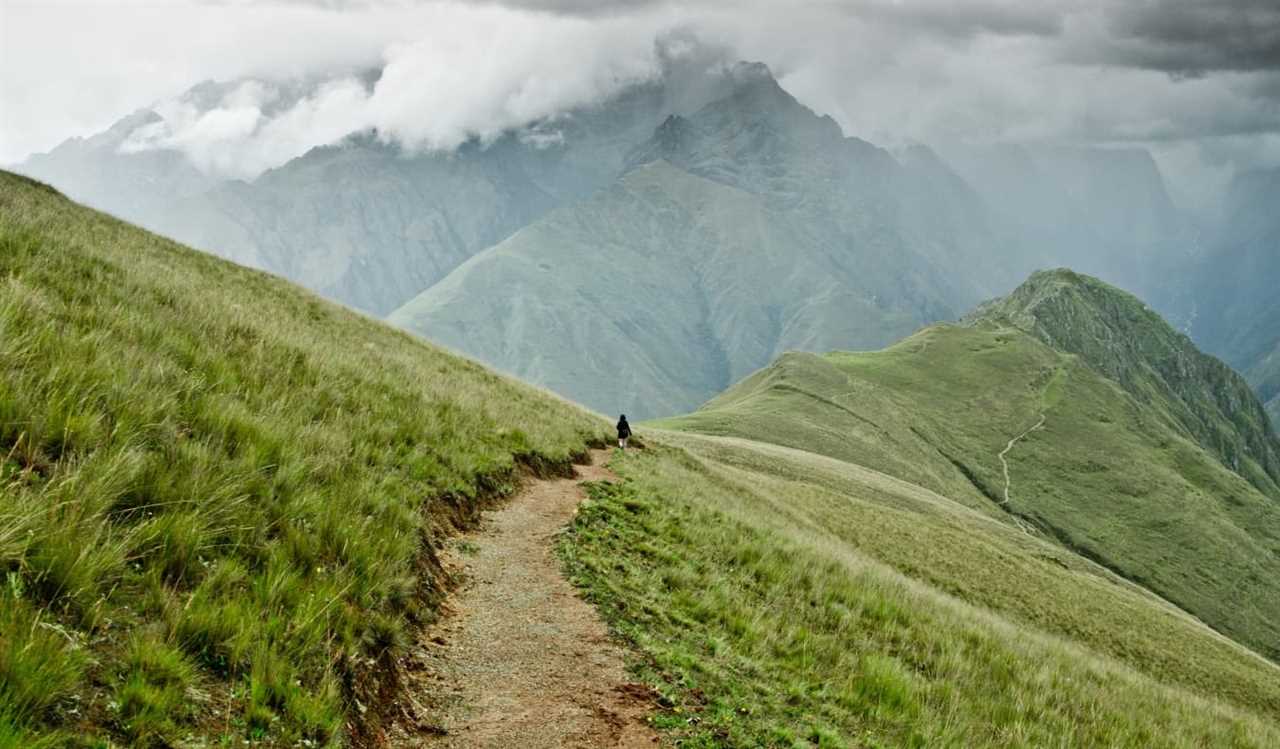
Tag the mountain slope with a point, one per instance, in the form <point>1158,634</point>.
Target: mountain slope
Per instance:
<point>220,496</point>
<point>783,599</point>
<point>747,228</point>
<point>1265,376</point>
<point>1119,336</point>
<point>993,418</point>
<point>650,294</point>
<point>364,221</point>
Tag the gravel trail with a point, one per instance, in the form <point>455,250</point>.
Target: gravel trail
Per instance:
<point>520,660</point>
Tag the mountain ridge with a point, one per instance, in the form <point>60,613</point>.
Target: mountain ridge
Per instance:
<point>1121,337</point>
<point>991,416</point>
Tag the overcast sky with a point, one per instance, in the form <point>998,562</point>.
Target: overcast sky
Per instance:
<point>1198,82</point>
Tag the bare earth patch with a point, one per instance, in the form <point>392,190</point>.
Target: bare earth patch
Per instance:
<point>520,660</point>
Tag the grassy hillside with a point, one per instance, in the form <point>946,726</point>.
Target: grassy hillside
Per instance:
<point>996,420</point>
<point>219,495</point>
<point>1118,335</point>
<point>784,599</point>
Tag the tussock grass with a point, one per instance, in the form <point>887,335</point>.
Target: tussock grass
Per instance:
<point>768,622</point>
<point>218,493</point>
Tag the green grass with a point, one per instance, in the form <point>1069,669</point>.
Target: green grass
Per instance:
<point>778,598</point>
<point>1105,476</point>
<point>218,493</point>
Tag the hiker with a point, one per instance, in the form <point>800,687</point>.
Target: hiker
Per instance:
<point>624,431</point>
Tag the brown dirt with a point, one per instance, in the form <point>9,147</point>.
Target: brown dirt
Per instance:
<point>520,660</point>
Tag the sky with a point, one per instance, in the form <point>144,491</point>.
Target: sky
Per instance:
<point>1196,82</point>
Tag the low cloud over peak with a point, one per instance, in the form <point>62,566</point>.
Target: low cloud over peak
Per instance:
<point>1199,80</point>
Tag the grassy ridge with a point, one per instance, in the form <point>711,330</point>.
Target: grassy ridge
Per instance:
<point>785,600</point>
<point>1119,336</point>
<point>1103,475</point>
<point>218,491</point>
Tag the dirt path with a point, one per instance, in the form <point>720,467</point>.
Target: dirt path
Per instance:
<point>1005,452</point>
<point>521,660</point>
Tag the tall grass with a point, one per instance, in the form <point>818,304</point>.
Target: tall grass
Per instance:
<point>218,493</point>
<point>766,622</point>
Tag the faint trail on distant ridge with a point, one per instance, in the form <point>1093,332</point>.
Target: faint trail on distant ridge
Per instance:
<point>1005,452</point>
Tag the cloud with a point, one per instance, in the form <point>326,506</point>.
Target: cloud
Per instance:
<point>468,73</point>
<point>509,69</point>
<point>241,136</point>
<point>1193,37</point>
<point>72,67</point>
<point>1177,75</point>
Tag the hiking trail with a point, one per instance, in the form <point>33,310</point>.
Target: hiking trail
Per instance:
<point>1005,452</point>
<point>519,660</point>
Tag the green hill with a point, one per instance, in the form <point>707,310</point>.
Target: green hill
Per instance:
<point>994,419</point>
<point>1119,336</point>
<point>783,599</point>
<point>220,494</point>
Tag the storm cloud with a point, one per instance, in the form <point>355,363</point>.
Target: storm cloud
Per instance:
<point>1192,37</point>
<point>1198,83</point>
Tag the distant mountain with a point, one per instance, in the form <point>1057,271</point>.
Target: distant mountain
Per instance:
<point>139,185</point>
<point>745,229</point>
<point>1236,287</point>
<point>649,295</point>
<point>1013,416</point>
<point>364,221</point>
<point>846,246</point>
<point>1121,337</point>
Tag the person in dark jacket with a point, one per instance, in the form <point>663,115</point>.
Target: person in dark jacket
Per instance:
<point>624,431</point>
